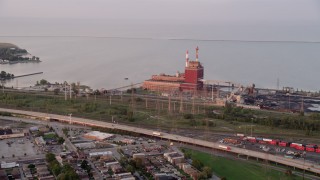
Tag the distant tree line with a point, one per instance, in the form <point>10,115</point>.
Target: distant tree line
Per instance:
<point>11,53</point>
<point>5,75</point>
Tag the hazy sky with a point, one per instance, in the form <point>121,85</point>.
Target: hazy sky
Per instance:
<point>234,19</point>
<point>203,10</point>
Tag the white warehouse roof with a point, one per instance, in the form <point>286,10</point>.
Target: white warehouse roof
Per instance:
<point>98,135</point>
<point>100,153</point>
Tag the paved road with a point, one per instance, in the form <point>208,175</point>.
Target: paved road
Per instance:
<point>67,142</point>
<point>81,121</point>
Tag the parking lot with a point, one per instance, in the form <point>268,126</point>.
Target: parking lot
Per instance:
<point>18,147</point>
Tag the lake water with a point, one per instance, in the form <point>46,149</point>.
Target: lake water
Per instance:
<point>104,62</point>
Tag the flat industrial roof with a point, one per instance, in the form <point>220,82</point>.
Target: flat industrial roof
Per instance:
<point>99,134</point>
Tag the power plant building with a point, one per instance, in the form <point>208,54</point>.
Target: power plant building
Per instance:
<point>190,80</point>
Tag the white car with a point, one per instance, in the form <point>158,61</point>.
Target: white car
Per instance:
<point>290,152</point>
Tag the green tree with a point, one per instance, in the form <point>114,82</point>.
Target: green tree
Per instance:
<point>188,116</point>
<point>197,164</point>
<point>207,170</point>
<point>62,176</point>
<point>130,168</point>
<point>61,140</point>
<point>31,166</point>
<point>56,91</point>
<point>50,157</point>
<point>203,176</point>
<point>130,116</point>
<point>192,122</point>
<point>55,168</point>
<point>138,162</point>
<point>110,172</point>
<point>43,82</point>
<point>123,161</point>
<point>84,164</point>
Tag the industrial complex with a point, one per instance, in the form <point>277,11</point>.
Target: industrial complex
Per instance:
<point>190,80</point>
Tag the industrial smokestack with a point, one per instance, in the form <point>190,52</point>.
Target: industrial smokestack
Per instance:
<point>187,58</point>
<point>197,54</point>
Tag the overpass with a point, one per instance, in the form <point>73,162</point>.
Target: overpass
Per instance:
<point>173,137</point>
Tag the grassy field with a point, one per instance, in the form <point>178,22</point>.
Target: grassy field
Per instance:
<point>235,170</point>
<point>150,113</point>
<point>50,136</point>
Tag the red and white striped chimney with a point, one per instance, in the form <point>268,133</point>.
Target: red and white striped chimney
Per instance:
<point>197,53</point>
<point>187,58</point>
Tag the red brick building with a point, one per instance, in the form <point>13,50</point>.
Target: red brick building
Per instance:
<point>190,80</point>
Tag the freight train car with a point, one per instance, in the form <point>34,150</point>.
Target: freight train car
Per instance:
<point>297,146</point>
<point>231,141</point>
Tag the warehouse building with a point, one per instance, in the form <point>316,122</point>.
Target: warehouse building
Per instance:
<point>97,135</point>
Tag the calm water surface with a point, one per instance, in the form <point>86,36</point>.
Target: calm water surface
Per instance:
<point>105,62</point>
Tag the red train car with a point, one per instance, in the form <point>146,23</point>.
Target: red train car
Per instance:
<point>294,145</point>
<point>283,144</point>
<point>302,148</point>
<point>310,149</point>
<point>273,142</point>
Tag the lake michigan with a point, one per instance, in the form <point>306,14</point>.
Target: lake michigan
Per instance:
<point>104,58</point>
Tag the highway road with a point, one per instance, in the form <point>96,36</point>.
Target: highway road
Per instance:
<point>87,122</point>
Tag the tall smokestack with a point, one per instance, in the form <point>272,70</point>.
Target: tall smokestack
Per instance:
<point>197,53</point>
<point>187,58</point>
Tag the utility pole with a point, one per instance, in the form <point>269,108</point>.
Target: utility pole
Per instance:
<point>193,110</point>
<point>70,122</point>
<point>169,105</point>
<point>146,102</point>
<point>2,83</point>
<point>132,99</point>
<point>289,103</point>
<point>302,106</point>
<point>157,104</point>
<point>70,91</point>
<point>218,91</point>
<point>251,125</point>
<point>122,90</point>
<point>65,91</point>
<point>181,103</point>
<point>211,92</point>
